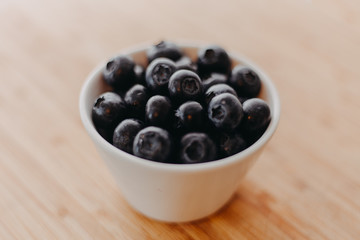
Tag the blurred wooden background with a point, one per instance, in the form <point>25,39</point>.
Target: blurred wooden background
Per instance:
<point>306,185</point>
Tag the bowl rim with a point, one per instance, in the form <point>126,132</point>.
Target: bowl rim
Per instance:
<point>205,166</point>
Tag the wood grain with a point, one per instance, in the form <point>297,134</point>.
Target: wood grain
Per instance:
<point>306,185</point>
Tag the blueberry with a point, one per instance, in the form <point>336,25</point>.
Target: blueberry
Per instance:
<point>153,143</point>
<point>218,89</point>
<point>203,107</point>
<point>242,99</point>
<point>225,111</point>
<point>214,78</point>
<point>197,148</point>
<point>108,110</point>
<point>231,143</point>
<point>190,116</point>
<point>164,49</point>
<point>136,98</point>
<point>213,59</point>
<point>245,81</point>
<point>106,133</point>
<point>256,115</point>
<point>158,74</point>
<point>119,72</point>
<point>185,85</point>
<point>158,111</point>
<point>186,63</point>
<point>125,133</point>
<point>139,72</point>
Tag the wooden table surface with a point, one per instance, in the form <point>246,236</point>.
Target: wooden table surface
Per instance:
<point>306,184</point>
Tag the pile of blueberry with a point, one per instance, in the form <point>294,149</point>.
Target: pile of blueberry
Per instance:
<point>179,110</point>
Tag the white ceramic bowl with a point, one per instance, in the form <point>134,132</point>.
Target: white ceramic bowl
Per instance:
<point>173,192</point>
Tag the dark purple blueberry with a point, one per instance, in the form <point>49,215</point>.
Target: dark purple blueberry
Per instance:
<point>245,81</point>
<point>213,59</point>
<point>185,85</point>
<point>186,63</point>
<point>164,49</point>
<point>158,74</point>
<point>153,143</point>
<point>225,111</point>
<point>119,72</point>
<point>108,110</point>
<point>139,72</point>
<point>214,78</point>
<point>197,148</point>
<point>190,116</point>
<point>218,89</point>
<point>252,137</point>
<point>125,133</point>
<point>106,133</point>
<point>256,115</point>
<point>158,111</point>
<point>242,99</point>
<point>136,98</point>
<point>231,143</point>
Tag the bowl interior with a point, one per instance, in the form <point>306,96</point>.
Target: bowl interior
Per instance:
<point>94,86</point>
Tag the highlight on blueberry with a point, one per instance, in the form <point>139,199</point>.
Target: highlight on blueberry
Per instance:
<point>139,72</point>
